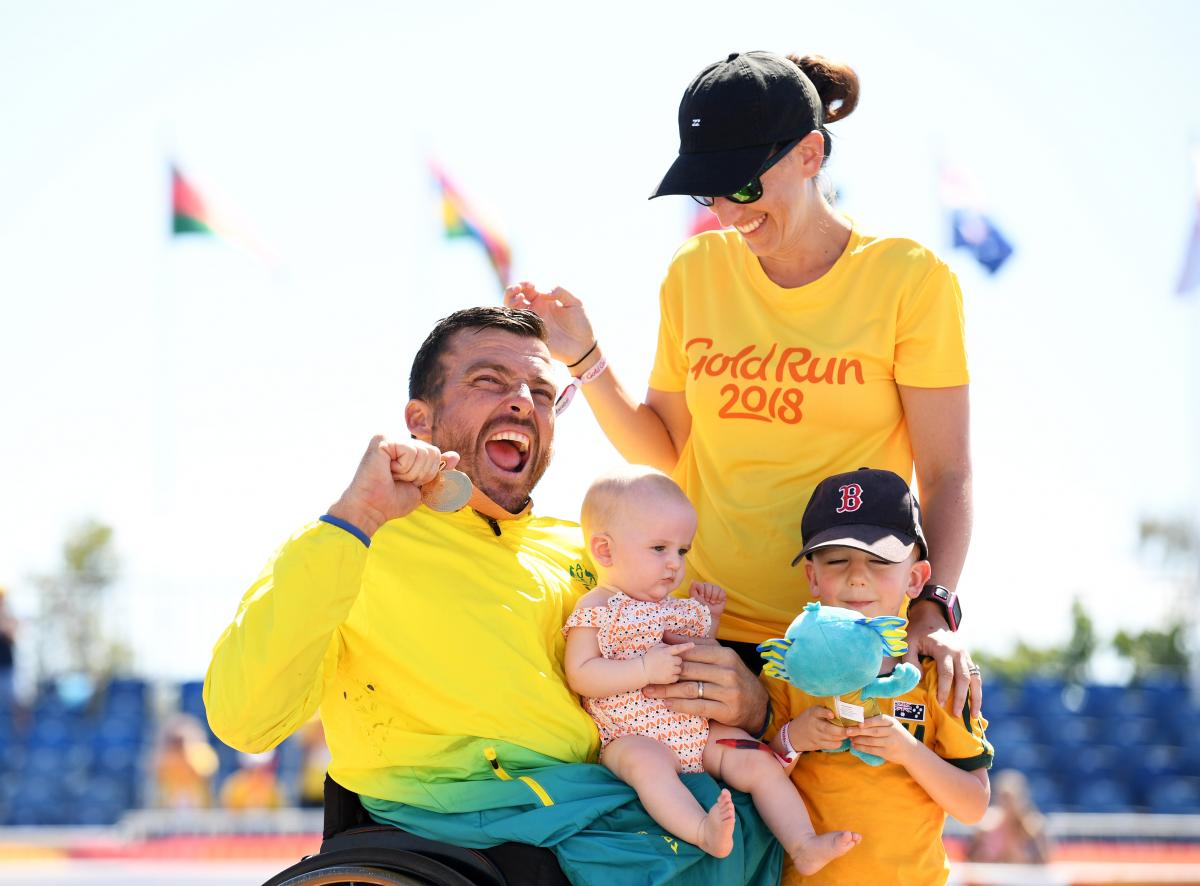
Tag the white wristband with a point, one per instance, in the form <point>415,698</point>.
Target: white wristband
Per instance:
<point>786,742</point>
<point>595,372</point>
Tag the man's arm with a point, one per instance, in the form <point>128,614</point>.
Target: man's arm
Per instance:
<point>270,665</point>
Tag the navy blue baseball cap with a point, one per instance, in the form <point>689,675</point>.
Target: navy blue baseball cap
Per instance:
<point>732,115</point>
<point>869,509</point>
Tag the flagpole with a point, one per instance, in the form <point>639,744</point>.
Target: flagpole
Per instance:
<point>1188,289</point>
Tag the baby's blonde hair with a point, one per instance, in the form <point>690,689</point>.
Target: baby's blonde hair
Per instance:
<point>613,492</point>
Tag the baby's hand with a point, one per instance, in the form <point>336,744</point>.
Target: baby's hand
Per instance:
<point>662,662</point>
<point>710,595</point>
<point>813,731</point>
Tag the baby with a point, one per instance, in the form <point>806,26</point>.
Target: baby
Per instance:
<point>638,526</point>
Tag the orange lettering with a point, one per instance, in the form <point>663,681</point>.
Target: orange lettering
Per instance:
<point>814,375</point>
<point>846,365</point>
<point>805,356</point>
<point>698,367</point>
<point>760,365</point>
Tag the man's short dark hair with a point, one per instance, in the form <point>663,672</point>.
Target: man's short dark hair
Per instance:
<point>426,378</point>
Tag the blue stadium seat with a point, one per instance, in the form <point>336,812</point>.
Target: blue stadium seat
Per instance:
<point>1079,764</point>
<point>191,699</point>
<point>1176,795</point>
<point>1131,733</point>
<point>1030,759</point>
<point>1010,731</point>
<point>1102,795</point>
<point>1041,695</point>
<point>1047,794</point>
<point>1107,701</point>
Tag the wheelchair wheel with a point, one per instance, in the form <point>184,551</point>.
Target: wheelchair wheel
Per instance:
<point>377,868</point>
<point>356,875</point>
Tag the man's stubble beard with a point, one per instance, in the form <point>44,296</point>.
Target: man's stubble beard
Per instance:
<point>470,449</point>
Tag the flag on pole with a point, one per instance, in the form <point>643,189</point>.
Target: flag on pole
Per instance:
<point>193,214</point>
<point>461,220</point>
<point>703,219</point>
<point>189,214</point>
<point>970,226</point>
<point>1189,278</point>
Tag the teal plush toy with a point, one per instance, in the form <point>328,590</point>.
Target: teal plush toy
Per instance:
<point>834,654</point>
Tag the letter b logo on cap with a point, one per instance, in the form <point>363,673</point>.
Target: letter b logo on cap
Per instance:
<point>851,498</point>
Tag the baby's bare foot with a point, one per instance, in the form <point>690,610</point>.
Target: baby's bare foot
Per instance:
<point>716,829</point>
<point>818,850</point>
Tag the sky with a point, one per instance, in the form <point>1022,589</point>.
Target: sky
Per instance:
<point>206,402</point>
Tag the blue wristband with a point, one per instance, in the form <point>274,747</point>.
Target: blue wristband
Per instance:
<point>767,722</point>
<point>349,527</point>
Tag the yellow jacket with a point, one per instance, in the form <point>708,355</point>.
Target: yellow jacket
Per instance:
<point>442,639</point>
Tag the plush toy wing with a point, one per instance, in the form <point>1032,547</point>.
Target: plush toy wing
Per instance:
<point>902,680</point>
<point>890,629</point>
<point>773,652</point>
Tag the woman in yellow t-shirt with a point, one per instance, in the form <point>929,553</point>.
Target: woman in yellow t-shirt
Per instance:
<point>792,346</point>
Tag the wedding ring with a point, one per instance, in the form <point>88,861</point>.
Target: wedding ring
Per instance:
<point>974,671</point>
<point>699,689</point>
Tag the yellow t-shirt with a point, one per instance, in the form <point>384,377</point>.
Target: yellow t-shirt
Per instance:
<point>788,386</point>
<point>901,825</point>
<point>440,641</point>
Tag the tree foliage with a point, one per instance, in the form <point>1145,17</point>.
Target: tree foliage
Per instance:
<point>71,637</point>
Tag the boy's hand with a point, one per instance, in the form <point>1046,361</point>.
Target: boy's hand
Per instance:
<point>814,731</point>
<point>711,595</point>
<point>884,737</point>
<point>663,664</point>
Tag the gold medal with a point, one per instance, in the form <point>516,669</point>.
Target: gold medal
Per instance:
<point>449,492</point>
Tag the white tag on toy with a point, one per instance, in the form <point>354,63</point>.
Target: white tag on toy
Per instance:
<point>848,711</point>
<point>449,492</point>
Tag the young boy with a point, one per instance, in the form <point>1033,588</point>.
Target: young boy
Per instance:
<point>864,550</point>
<point>638,525</point>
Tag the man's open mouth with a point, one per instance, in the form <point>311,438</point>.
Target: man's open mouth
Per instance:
<point>508,450</point>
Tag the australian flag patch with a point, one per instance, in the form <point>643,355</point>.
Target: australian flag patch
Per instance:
<point>908,710</point>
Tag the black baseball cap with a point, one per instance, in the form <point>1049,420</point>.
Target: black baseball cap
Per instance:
<point>868,509</point>
<point>732,115</point>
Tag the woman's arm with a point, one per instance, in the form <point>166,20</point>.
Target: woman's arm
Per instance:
<point>938,422</point>
<point>938,426</point>
<point>651,432</point>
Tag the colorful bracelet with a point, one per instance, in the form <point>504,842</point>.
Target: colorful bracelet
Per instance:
<point>595,372</point>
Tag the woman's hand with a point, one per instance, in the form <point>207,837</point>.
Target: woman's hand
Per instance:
<point>714,683</point>
<point>929,636</point>
<point>569,330</point>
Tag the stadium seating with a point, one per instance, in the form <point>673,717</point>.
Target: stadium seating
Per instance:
<point>69,760</point>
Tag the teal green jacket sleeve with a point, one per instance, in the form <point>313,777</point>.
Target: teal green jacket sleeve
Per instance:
<point>269,666</point>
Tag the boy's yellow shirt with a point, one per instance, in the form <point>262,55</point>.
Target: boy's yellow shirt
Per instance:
<point>901,825</point>
<point>788,386</point>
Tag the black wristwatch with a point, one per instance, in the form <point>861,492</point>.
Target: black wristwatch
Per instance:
<point>945,598</point>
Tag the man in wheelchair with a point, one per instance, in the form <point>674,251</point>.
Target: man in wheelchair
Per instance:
<point>431,643</point>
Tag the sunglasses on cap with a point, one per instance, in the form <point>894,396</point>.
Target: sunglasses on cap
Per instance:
<point>754,190</point>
